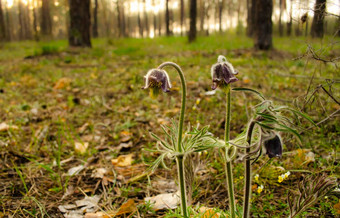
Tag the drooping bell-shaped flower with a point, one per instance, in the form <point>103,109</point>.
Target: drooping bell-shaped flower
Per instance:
<point>222,73</point>
<point>273,146</point>
<point>157,79</point>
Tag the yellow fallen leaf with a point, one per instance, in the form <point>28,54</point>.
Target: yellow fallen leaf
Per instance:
<point>6,127</point>
<point>337,207</point>
<point>209,213</point>
<point>62,83</point>
<point>81,147</point>
<point>123,160</point>
<point>127,207</point>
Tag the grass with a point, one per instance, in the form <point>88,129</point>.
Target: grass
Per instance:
<point>93,95</point>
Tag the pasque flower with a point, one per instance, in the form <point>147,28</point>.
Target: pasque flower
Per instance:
<point>273,146</point>
<point>157,79</point>
<point>222,73</point>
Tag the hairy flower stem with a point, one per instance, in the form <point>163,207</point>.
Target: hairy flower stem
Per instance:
<point>247,177</point>
<point>228,167</point>
<point>180,159</point>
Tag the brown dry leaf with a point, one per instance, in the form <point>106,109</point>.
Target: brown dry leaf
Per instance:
<point>62,83</point>
<point>123,160</point>
<point>125,136</point>
<point>81,147</point>
<point>172,111</point>
<point>337,207</point>
<point>6,127</point>
<point>128,207</point>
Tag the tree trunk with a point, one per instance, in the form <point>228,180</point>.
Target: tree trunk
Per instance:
<point>193,15</point>
<point>2,25</point>
<point>159,24</point>
<point>154,19</point>
<point>139,20</point>
<point>119,20</point>
<point>182,17</point>
<point>251,17</point>
<point>146,20</point>
<point>202,15</point>
<point>80,23</point>
<point>263,24</point>
<point>220,14</point>
<point>167,18</point>
<point>95,20</point>
<point>35,22</point>
<point>290,23</point>
<point>282,8</point>
<point>27,21</point>
<point>46,21</point>
<point>21,24</point>
<point>8,25</point>
<point>124,34</point>
<point>317,29</point>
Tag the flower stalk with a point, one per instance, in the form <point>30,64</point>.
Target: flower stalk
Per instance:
<point>228,166</point>
<point>247,177</point>
<point>180,158</point>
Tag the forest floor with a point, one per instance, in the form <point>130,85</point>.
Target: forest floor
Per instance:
<point>75,124</point>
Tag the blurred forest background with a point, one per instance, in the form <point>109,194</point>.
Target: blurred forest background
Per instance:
<point>75,123</point>
<point>51,19</point>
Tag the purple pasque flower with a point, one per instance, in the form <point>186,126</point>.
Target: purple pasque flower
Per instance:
<point>157,79</point>
<point>273,146</point>
<point>222,73</point>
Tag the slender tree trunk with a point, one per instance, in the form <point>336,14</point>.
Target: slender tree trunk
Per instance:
<point>182,17</point>
<point>207,17</point>
<point>106,22</point>
<point>46,21</point>
<point>154,19</point>
<point>146,20</point>
<point>80,23</point>
<point>263,24</point>
<point>290,22</point>
<point>35,22</point>
<point>95,20</point>
<point>2,25</point>
<point>202,15</point>
<point>124,33</point>
<point>159,24</point>
<point>282,3</point>
<point>193,16</point>
<point>8,25</point>
<point>139,20</point>
<point>220,14</point>
<point>119,19</point>
<point>317,29</point>
<point>27,21</point>
<point>21,25</point>
<point>306,30</point>
<point>251,17</point>
<point>167,18</point>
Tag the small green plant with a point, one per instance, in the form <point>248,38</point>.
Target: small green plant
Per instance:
<point>262,131</point>
<point>176,145</point>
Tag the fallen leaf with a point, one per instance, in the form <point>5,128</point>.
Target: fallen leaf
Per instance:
<point>164,201</point>
<point>209,212</point>
<point>81,147</point>
<point>99,173</point>
<point>75,170</point>
<point>127,207</point>
<point>6,127</point>
<point>86,205</point>
<point>337,207</point>
<point>123,160</point>
<point>62,83</point>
